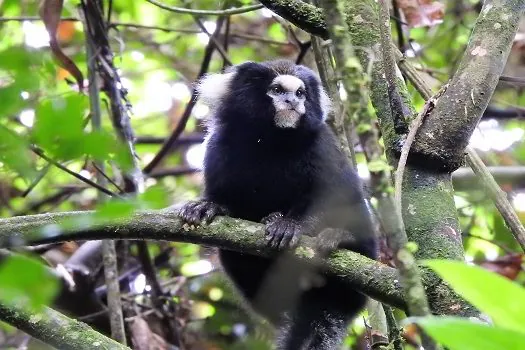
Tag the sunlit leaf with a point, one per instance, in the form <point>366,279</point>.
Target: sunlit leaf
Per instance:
<point>461,334</point>
<point>59,126</point>
<point>23,279</point>
<point>14,153</point>
<point>155,197</point>
<point>501,299</point>
<point>115,210</point>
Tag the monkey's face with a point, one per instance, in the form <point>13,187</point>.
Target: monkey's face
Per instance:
<point>288,96</point>
<point>268,95</point>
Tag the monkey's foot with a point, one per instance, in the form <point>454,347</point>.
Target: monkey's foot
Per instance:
<point>201,211</point>
<point>282,232</point>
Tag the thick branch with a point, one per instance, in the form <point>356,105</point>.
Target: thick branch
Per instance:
<point>373,278</point>
<point>303,15</point>
<point>56,329</point>
<point>445,134</point>
<point>429,211</point>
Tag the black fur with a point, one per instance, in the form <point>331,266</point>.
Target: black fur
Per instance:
<point>296,181</point>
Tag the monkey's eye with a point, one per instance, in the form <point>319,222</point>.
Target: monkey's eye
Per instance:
<point>277,89</point>
<point>300,93</point>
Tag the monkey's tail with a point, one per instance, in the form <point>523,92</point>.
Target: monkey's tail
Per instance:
<point>321,319</point>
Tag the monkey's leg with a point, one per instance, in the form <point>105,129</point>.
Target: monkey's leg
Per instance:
<point>270,285</point>
<point>320,322</point>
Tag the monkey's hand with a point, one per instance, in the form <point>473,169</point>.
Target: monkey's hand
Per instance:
<point>201,211</point>
<point>282,232</point>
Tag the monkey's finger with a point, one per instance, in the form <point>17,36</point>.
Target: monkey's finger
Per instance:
<point>290,237</point>
<point>210,214</point>
<point>294,239</point>
<point>271,234</point>
<point>195,214</point>
<point>280,232</point>
<point>185,213</point>
<point>271,217</point>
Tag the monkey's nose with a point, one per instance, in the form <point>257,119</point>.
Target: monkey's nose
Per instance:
<point>292,100</point>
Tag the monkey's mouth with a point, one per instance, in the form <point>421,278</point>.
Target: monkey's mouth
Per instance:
<point>287,118</point>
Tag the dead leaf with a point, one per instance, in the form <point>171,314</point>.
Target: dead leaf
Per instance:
<point>50,11</point>
<point>65,31</point>
<point>508,266</point>
<point>421,13</point>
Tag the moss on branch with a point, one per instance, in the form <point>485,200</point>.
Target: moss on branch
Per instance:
<point>445,134</point>
<point>375,279</point>
<point>303,15</point>
<point>56,329</point>
<point>435,229</point>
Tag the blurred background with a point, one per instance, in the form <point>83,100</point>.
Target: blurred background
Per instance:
<point>158,55</point>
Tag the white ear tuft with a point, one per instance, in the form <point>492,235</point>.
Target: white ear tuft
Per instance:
<point>213,88</point>
<point>326,103</point>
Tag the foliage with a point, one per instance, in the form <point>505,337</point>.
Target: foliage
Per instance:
<point>500,299</point>
<point>42,110</point>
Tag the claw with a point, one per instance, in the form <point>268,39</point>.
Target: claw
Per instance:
<point>283,233</point>
<point>197,212</point>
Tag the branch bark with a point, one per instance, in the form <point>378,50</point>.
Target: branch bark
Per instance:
<point>305,16</point>
<point>429,210</point>
<point>444,136</point>
<point>55,329</point>
<point>373,278</point>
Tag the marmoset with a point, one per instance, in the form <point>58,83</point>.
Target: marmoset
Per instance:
<point>271,158</point>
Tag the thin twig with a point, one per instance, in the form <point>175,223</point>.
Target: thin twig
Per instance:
<point>213,38</point>
<point>498,196</point>
<point>106,176</point>
<point>92,12</point>
<point>168,144</point>
<point>411,277</point>
<point>227,12</point>
<point>42,155</point>
<point>41,174</point>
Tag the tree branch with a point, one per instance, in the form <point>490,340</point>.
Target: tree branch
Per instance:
<point>373,278</point>
<point>305,16</point>
<point>227,12</point>
<point>444,136</point>
<point>55,329</point>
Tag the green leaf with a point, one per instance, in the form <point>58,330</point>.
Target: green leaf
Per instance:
<point>154,197</point>
<point>460,334</point>
<point>12,101</point>
<point>501,299</point>
<point>19,59</point>
<point>23,279</point>
<point>115,210</point>
<point>59,126</point>
<point>275,31</point>
<point>13,153</point>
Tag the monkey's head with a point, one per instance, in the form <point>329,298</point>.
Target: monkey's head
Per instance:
<point>276,93</point>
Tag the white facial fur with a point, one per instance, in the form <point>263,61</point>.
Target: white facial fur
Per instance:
<point>213,88</point>
<point>288,113</point>
<point>288,82</point>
